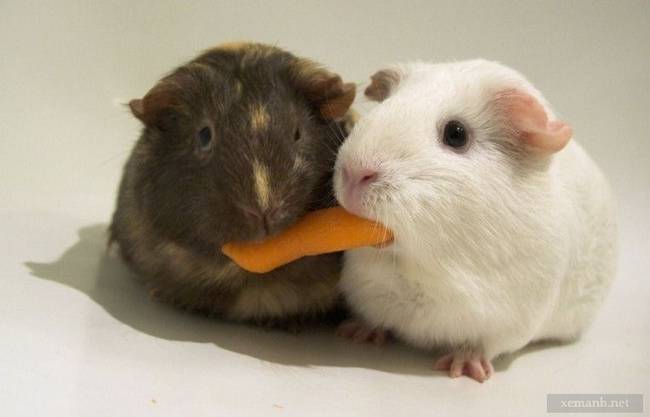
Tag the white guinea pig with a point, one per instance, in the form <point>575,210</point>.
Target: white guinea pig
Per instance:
<point>504,228</point>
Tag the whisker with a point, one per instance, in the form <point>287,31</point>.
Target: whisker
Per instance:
<point>112,158</point>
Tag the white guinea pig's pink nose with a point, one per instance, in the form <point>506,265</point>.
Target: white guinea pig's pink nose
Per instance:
<point>359,176</point>
<point>355,183</point>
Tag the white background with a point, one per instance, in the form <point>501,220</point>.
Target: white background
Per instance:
<point>78,337</point>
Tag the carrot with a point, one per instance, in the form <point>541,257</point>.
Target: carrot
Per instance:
<point>322,231</point>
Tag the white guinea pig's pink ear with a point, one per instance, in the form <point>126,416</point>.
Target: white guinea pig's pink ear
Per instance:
<point>382,84</point>
<point>530,122</point>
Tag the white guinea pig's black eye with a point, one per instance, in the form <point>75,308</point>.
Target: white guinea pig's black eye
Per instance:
<point>296,135</point>
<point>204,139</point>
<point>455,134</point>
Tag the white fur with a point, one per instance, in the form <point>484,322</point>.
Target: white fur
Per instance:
<point>495,247</point>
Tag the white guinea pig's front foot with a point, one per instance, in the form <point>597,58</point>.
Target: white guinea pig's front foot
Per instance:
<point>359,332</point>
<point>465,362</point>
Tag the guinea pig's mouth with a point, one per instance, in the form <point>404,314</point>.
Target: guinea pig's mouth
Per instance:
<point>360,205</point>
<point>378,208</point>
<point>359,187</point>
<point>264,223</point>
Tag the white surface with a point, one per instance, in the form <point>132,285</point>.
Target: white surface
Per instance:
<point>79,335</point>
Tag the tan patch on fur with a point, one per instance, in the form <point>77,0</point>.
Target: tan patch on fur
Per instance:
<point>280,298</point>
<point>225,272</point>
<point>259,118</point>
<point>173,251</point>
<point>182,261</point>
<point>306,68</point>
<point>178,258</point>
<point>299,162</point>
<point>350,119</point>
<point>236,46</point>
<point>239,88</point>
<point>259,299</point>
<point>200,66</point>
<point>248,50</point>
<point>262,186</point>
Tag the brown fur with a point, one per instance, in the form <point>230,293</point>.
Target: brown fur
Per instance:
<point>177,205</point>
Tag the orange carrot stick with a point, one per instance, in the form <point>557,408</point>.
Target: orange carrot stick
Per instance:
<point>322,231</point>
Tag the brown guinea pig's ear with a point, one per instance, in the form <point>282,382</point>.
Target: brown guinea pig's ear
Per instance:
<point>383,84</point>
<point>158,101</point>
<point>324,89</point>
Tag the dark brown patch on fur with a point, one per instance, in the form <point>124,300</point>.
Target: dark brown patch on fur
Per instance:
<point>175,210</point>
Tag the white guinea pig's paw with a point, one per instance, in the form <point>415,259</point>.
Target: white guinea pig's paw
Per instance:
<point>465,362</point>
<point>359,332</point>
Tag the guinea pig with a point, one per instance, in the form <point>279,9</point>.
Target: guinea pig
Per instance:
<point>237,144</point>
<point>504,228</point>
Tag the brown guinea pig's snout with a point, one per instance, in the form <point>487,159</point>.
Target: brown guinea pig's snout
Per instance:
<point>266,222</point>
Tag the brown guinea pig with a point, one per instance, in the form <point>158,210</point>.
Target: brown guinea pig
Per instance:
<point>237,144</point>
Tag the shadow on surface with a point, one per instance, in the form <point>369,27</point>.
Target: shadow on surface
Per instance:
<point>88,267</point>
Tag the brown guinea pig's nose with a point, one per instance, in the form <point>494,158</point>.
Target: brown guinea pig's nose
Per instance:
<point>266,218</point>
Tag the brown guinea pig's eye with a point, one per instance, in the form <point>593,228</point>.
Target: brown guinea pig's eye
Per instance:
<point>296,135</point>
<point>204,139</point>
